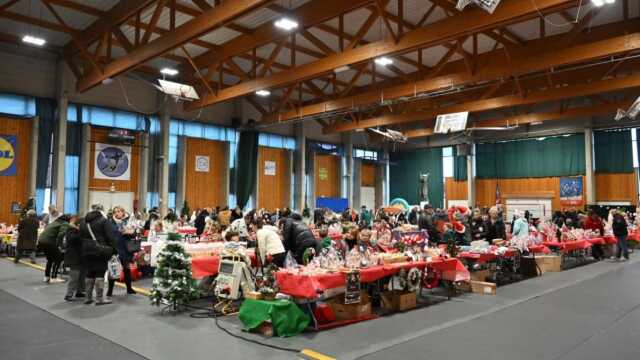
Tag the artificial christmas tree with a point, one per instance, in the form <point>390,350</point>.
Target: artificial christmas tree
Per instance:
<point>172,280</point>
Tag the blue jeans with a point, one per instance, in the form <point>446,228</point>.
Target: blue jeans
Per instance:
<point>622,247</point>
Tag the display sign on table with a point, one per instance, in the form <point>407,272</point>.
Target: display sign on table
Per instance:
<point>202,163</point>
<point>8,149</point>
<point>571,191</point>
<point>270,168</point>
<point>112,162</point>
<point>352,288</point>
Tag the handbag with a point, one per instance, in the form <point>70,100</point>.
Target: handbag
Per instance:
<point>132,245</point>
<point>96,248</point>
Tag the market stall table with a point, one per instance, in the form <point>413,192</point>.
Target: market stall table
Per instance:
<point>204,266</point>
<point>482,258</point>
<point>304,286</point>
<point>569,246</point>
<point>604,240</point>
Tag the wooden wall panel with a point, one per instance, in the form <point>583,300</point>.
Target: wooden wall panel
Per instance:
<point>204,189</point>
<point>368,174</point>
<point>455,190</point>
<point>16,188</point>
<point>327,185</point>
<point>274,191</point>
<point>616,187</point>
<point>486,189</point>
<point>100,135</point>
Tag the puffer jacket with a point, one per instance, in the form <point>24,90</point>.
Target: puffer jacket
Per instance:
<point>53,233</point>
<point>105,234</point>
<point>73,249</point>
<point>298,238</point>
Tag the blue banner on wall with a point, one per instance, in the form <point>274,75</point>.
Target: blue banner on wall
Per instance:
<point>8,150</point>
<point>571,191</point>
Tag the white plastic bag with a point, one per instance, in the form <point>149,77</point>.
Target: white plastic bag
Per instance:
<point>290,262</point>
<point>114,268</point>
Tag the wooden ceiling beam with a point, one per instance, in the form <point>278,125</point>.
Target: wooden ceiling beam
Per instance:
<point>307,15</point>
<point>115,16</point>
<point>502,102</point>
<point>153,21</point>
<point>437,33</point>
<point>188,31</point>
<point>535,56</point>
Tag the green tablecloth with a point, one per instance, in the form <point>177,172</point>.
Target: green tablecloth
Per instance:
<point>287,319</point>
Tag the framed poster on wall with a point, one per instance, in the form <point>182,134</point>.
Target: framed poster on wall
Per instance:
<point>112,162</point>
<point>571,191</point>
<point>202,163</point>
<point>270,168</point>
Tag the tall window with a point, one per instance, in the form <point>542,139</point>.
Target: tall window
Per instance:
<point>447,168</point>
<point>365,154</point>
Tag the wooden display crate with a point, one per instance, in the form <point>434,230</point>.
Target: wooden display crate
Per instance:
<point>482,287</point>
<point>398,300</point>
<point>350,311</point>
<point>549,263</point>
<point>481,275</point>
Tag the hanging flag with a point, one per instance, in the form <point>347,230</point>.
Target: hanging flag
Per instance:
<point>571,191</point>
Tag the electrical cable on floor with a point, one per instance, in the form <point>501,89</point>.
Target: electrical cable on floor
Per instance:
<point>221,307</point>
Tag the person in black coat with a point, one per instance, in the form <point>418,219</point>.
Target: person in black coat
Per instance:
<point>425,222</point>
<point>200,221</point>
<point>478,226</point>
<point>495,226</point>
<point>413,216</point>
<point>124,235</point>
<point>297,237</point>
<point>619,227</point>
<point>96,251</point>
<point>27,236</point>
<point>72,245</point>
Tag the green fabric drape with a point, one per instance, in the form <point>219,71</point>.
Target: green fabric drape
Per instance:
<point>613,151</point>
<point>459,166</point>
<point>405,171</point>
<point>285,316</point>
<point>246,170</point>
<point>557,156</point>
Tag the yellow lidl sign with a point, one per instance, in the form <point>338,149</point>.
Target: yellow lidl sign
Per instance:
<point>8,146</point>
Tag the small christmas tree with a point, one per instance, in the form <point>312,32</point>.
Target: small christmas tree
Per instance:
<point>172,280</point>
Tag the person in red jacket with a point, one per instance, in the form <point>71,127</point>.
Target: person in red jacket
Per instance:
<point>595,224</point>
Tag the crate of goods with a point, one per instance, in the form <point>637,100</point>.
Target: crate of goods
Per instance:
<point>549,263</point>
<point>343,311</point>
<point>399,300</point>
<point>482,287</point>
<point>481,275</point>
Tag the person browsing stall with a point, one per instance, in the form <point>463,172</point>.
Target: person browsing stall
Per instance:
<point>269,245</point>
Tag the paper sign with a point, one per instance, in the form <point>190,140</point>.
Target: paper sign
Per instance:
<point>270,168</point>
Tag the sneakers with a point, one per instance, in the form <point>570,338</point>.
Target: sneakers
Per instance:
<point>103,302</point>
<point>68,298</point>
<point>131,292</point>
<point>89,301</point>
<point>57,281</point>
<point>80,295</point>
<point>46,279</point>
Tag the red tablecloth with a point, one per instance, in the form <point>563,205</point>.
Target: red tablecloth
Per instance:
<point>569,246</point>
<point>208,265</point>
<point>484,258</point>
<point>634,235</point>
<point>539,249</point>
<point>310,286</point>
<point>605,240</point>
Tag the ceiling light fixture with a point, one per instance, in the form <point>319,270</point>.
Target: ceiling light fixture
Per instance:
<point>263,93</point>
<point>341,69</point>
<point>599,3</point>
<point>487,5</point>
<point>34,40</point>
<point>169,71</point>
<point>286,24</point>
<point>383,61</point>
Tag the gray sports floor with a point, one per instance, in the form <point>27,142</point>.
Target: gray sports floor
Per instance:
<point>591,312</point>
